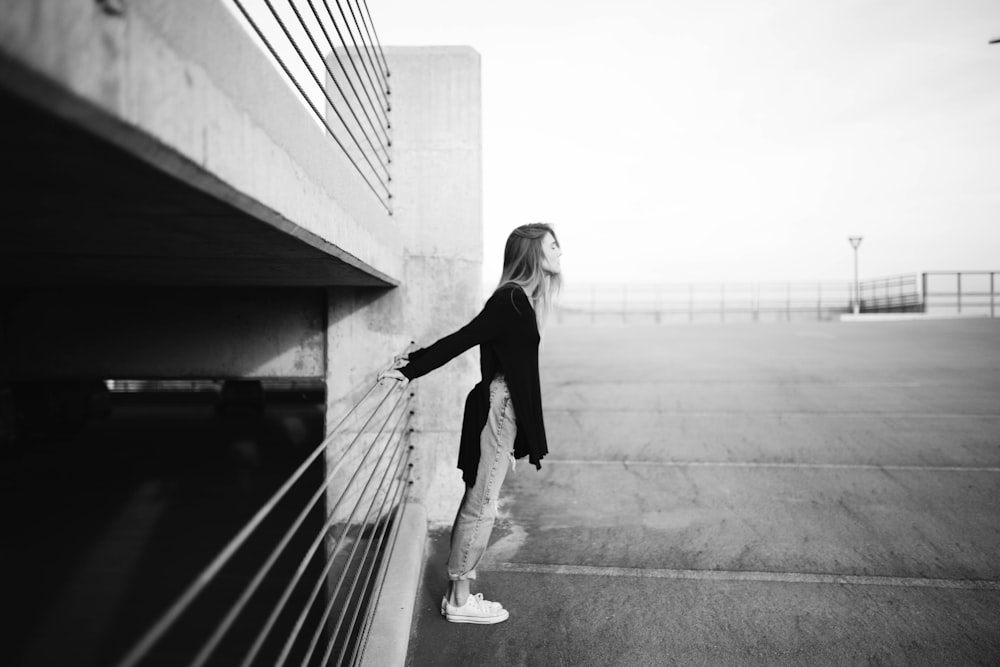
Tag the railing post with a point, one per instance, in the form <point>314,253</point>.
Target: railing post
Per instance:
<point>691,302</point>
<point>992,295</point>
<point>593,303</point>
<point>819,302</point>
<point>923,292</point>
<point>755,302</point>
<point>959,276</point>
<point>722,302</point>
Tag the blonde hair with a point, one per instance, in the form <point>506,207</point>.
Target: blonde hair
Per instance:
<point>522,266</point>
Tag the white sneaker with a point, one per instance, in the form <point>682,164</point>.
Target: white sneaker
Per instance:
<point>475,610</point>
<point>444,604</point>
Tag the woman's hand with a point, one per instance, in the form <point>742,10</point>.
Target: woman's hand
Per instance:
<point>393,374</point>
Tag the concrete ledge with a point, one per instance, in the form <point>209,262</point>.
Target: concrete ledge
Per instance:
<point>389,637</point>
<point>900,317</point>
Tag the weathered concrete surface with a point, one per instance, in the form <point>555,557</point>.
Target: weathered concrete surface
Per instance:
<point>438,207</point>
<point>168,93</point>
<point>437,99</point>
<point>760,494</point>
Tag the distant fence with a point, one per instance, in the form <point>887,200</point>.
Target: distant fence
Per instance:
<point>704,302</point>
<point>969,293</point>
<point>735,302</point>
<point>892,294</point>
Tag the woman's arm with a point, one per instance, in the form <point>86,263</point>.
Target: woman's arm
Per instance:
<point>490,323</point>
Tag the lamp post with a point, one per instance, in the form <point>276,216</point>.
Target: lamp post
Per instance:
<point>855,242</point>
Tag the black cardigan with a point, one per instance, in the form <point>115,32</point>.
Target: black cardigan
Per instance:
<point>507,332</point>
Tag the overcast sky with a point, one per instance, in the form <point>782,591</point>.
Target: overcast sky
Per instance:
<point>734,140</point>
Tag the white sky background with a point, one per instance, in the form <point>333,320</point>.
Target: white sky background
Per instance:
<point>733,140</point>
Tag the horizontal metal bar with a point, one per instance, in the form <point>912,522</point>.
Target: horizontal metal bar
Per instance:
<point>397,496</point>
<point>317,495</point>
<point>293,635</point>
<point>383,570</point>
<point>141,648</point>
<point>401,466</point>
<point>962,294</point>
<point>164,623</point>
<point>330,560</point>
<point>962,273</point>
<point>228,620</point>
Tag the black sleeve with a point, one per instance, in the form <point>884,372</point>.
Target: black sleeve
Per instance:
<point>489,324</point>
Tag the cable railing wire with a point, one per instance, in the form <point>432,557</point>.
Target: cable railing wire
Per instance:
<point>357,48</point>
<point>380,111</point>
<point>378,43</point>
<point>384,196</point>
<point>357,96</point>
<point>249,590</point>
<point>167,621</point>
<point>182,603</point>
<point>279,607</point>
<point>396,523</point>
<point>332,596</point>
<point>305,97</point>
<point>319,83</point>
<point>377,579</point>
<point>383,68</point>
<point>300,621</point>
<point>362,29</point>
<point>356,609</point>
<point>375,67</point>
<point>333,78</point>
<point>382,107</point>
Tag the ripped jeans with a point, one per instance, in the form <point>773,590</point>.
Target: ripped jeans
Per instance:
<point>470,533</point>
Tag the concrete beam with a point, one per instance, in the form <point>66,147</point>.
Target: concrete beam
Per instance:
<point>176,90</point>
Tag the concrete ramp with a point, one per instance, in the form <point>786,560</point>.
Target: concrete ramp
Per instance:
<point>821,494</point>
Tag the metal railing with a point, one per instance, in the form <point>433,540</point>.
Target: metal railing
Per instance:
<point>734,302</point>
<point>294,585</point>
<point>703,302</point>
<point>972,293</point>
<point>891,294</point>
<point>333,58</point>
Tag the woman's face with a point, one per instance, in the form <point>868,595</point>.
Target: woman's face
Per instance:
<point>551,252</point>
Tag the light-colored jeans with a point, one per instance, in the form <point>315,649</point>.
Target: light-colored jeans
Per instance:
<point>470,533</point>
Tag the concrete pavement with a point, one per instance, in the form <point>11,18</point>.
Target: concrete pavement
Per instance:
<point>748,494</point>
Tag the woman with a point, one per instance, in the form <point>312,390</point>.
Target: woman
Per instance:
<point>503,413</point>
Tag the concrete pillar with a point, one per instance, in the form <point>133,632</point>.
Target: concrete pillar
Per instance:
<point>437,131</point>
<point>437,204</point>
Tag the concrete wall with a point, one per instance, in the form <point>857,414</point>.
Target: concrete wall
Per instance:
<point>181,83</point>
<point>438,208</point>
<point>179,87</point>
<point>438,133</point>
